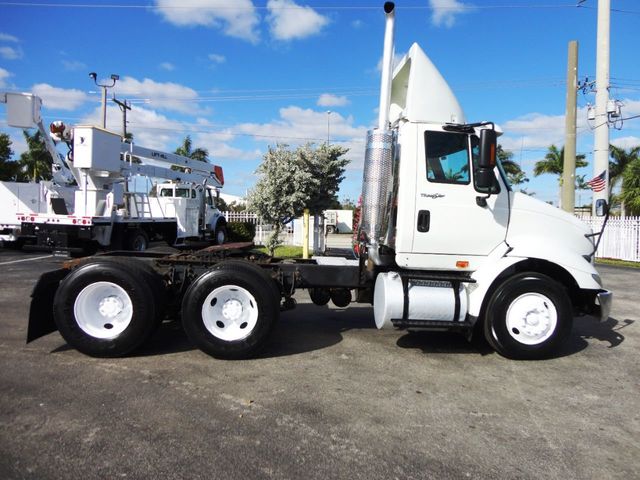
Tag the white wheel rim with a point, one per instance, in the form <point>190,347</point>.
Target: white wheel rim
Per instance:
<point>220,237</point>
<point>103,310</point>
<point>532,318</point>
<point>230,313</point>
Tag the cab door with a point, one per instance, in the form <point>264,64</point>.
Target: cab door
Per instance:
<point>452,216</point>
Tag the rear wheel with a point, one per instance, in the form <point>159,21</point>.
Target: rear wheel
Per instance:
<point>102,309</point>
<point>230,310</point>
<point>529,316</point>
<point>137,240</point>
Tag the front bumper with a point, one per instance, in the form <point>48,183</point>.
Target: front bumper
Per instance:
<point>604,300</point>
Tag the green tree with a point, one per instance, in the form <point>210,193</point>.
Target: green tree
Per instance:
<point>515,174</point>
<point>292,180</point>
<point>618,162</point>
<point>35,163</point>
<point>630,193</point>
<point>187,150</point>
<point>9,170</point>
<point>554,163</point>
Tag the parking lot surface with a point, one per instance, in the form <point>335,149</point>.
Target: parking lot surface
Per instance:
<point>331,397</point>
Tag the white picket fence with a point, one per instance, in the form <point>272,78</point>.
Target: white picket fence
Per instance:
<point>621,237</point>
<point>263,231</point>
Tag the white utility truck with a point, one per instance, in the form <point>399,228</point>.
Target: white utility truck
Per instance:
<point>107,212</point>
<point>443,244</point>
<point>18,199</point>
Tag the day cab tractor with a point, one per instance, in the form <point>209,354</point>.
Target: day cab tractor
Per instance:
<point>443,244</point>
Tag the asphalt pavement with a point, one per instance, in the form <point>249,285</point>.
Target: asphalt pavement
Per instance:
<point>331,397</point>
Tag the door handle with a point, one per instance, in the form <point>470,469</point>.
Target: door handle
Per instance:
<point>424,220</point>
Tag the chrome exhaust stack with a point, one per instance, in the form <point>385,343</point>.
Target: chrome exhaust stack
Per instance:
<point>378,179</point>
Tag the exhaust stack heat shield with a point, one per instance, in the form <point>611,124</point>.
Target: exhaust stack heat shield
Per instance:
<point>377,185</point>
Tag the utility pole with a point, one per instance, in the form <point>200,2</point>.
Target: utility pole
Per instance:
<point>569,168</point>
<point>328,124</point>
<point>104,86</point>
<point>601,133</point>
<point>124,106</point>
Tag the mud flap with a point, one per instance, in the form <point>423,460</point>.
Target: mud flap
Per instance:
<point>41,320</point>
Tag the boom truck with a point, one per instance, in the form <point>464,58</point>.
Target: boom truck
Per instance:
<point>99,168</point>
<point>443,244</point>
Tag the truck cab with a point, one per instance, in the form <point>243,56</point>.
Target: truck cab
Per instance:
<point>194,206</point>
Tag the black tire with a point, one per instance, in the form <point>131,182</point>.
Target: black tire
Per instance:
<point>220,235</point>
<point>331,229</point>
<point>96,342</point>
<point>137,240</point>
<point>517,337</point>
<point>249,291</point>
<point>319,296</point>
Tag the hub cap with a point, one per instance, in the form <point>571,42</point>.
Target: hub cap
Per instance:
<point>103,310</point>
<point>532,318</point>
<point>230,313</point>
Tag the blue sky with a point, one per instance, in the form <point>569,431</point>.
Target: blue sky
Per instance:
<point>241,75</point>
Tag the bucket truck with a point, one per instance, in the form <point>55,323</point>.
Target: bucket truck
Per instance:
<point>106,211</point>
<point>444,243</point>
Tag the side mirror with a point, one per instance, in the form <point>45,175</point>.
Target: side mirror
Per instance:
<point>488,147</point>
<point>602,208</point>
<point>484,176</point>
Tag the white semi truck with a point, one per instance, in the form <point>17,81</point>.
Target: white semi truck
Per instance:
<point>106,211</point>
<point>443,244</point>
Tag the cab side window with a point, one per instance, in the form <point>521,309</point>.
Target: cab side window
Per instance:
<point>447,156</point>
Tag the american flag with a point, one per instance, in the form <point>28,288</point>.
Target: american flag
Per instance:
<point>598,183</point>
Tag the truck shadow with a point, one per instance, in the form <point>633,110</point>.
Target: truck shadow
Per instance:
<point>309,328</point>
<point>305,329</point>
<point>589,328</point>
<point>584,329</point>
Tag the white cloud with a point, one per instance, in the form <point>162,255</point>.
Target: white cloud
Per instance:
<point>289,21</point>
<point>357,24</point>
<point>4,75</point>
<point>168,96</point>
<point>298,126</point>
<point>59,98</point>
<point>626,142</point>
<point>150,128</point>
<point>73,65</point>
<point>10,53</point>
<point>329,100</point>
<point>397,56</point>
<point>169,67</point>
<point>444,11</point>
<point>237,19</point>
<point>5,37</point>
<point>217,58</point>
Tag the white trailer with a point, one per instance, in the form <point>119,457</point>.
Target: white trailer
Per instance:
<point>105,211</point>
<point>443,244</point>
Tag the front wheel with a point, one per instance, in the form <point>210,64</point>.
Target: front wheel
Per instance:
<point>529,316</point>
<point>230,310</point>
<point>220,235</point>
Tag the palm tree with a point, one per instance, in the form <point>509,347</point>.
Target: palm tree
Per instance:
<point>620,159</point>
<point>630,194</point>
<point>36,162</point>
<point>187,150</point>
<point>514,173</point>
<point>554,163</point>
